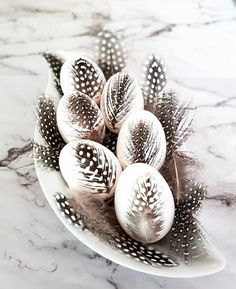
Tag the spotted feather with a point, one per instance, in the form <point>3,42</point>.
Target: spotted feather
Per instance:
<point>186,236</point>
<point>47,124</point>
<point>111,55</point>
<point>154,80</point>
<point>55,63</point>
<point>46,156</point>
<point>176,117</point>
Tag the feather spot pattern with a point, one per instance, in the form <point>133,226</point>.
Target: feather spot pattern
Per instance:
<point>55,63</point>
<point>142,253</point>
<point>111,55</point>
<point>154,80</point>
<point>187,239</point>
<point>68,212</point>
<point>176,118</point>
<point>46,121</point>
<point>46,156</point>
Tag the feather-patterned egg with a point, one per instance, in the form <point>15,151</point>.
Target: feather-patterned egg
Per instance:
<point>144,204</point>
<point>121,96</point>
<point>141,140</point>
<point>78,116</point>
<point>89,167</point>
<point>82,75</point>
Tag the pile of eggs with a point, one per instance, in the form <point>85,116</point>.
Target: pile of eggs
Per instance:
<point>90,108</point>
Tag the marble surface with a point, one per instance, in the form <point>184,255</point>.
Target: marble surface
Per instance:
<point>196,38</point>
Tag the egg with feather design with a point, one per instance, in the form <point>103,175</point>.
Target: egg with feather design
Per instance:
<point>121,96</point>
<point>141,140</point>
<point>144,204</point>
<point>81,74</point>
<point>89,167</point>
<point>78,116</point>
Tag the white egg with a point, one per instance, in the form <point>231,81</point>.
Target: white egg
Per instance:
<point>121,96</point>
<point>89,167</point>
<point>141,140</point>
<point>79,117</point>
<point>82,75</point>
<point>144,204</point>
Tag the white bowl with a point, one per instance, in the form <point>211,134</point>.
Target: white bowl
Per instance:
<point>53,185</point>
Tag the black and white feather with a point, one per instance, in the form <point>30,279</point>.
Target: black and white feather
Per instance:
<point>55,63</point>
<point>47,123</point>
<point>111,55</point>
<point>121,96</point>
<point>176,117</point>
<point>142,253</point>
<point>186,237</point>
<point>46,156</point>
<point>154,80</point>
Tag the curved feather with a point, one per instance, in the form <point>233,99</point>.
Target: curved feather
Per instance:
<point>186,236</point>
<point>154,80</point>
<point>55,63</point>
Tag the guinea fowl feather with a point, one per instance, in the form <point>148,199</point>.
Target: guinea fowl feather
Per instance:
<point>111,55</point>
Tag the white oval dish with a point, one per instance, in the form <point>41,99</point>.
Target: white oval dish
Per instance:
<point>52,183</point>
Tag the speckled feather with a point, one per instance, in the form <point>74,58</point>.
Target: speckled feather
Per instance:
<point>55,63</point>
<point>111,55</point>
<point>154,80</point>
<point>47,124</point>
<point>121,241</point>
<point>186,237</point>
<point>176,118</point>
<point>46,156</point>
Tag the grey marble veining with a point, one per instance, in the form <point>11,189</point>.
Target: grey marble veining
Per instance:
<point>196,39</point>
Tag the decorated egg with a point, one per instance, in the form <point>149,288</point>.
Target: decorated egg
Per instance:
<point>144,204</point>
<point>121,96</point>
<point>89,167</point>
<point>81,74</point>
<point>78,116</point>
<point>141,140</point>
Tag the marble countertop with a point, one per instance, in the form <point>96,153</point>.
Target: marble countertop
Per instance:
<point>196,38</point>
